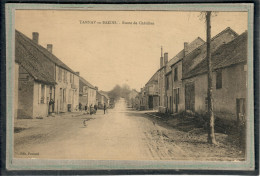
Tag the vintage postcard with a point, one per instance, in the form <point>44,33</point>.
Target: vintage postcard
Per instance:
<point>130,86</point>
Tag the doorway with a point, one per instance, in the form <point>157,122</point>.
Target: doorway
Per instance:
<point>176,99</point>
<point>150,102</point>
<point>190,97</point>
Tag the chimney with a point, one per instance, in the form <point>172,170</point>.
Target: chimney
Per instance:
<point>185,48</point>
<point>96,87</point>
<point>77,73</point>
<point>35,37</point>
<point>165,58</point>
<point>161,58</point>
<point>49,47</point>
<point>161,62</point>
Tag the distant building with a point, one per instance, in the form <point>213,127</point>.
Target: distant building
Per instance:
<point>99,99</point>
<point>104,98</point>
<point>132,96</point>
<point>152,93</point>
<point>142,99</point>
<point>87,93</point>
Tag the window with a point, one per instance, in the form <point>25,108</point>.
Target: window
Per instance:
<point>167,82</point>
<point>60,74</point>
<point>42,94</point>
<point>64,95</point>
<point>50,92</point>
<point>176,74</point>
<point>70,97</point>
<point>65,76</point>
<point>70,78</point>
<point>219,79</point>
<point>85,90</point>
<point>176,99</point>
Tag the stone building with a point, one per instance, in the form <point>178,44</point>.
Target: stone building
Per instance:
<point>131,98</point>
<point>174,77</point>
<point>161,82</point>
<point>151,92</point>
<point>34,86</point>
<point>99,99</point>
<point>87,93</point>
<point>61,97</point>
<point>191,62</point>
<point>229,63</point>
<point>104,98</point>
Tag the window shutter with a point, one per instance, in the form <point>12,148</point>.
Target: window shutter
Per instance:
<point>178,97</point>
<point>39,93</point>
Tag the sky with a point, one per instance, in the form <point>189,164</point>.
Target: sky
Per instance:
<point>110,54</point>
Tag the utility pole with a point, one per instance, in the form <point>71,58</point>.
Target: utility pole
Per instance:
<point>211,131</point>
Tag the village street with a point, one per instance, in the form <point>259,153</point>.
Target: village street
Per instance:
<point>120,134</point>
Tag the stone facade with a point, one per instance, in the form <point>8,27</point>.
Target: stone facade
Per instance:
<point>66,90</point>
<point>33,96</point>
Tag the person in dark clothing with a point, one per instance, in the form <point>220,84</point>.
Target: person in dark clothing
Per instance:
<point>91,109</point>
<point>105,107</point>
<point>95,107</point>
<point>80,107</point>
<point>51,104</point>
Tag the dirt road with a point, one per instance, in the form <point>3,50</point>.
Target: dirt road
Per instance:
<point>120,134</point>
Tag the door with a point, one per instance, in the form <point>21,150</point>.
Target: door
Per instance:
<point>170,104</point>
<point>72,103</point>
<point>150,102</point>
<point>176,99</point>
<point>61,98</point>
<point>50,107</point>
<point>190,97</point>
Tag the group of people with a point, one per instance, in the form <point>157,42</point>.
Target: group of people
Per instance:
<point>91,109</point>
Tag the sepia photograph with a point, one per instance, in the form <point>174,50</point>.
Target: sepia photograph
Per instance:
<point>151,85</point>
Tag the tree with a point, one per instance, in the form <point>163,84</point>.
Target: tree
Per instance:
<point>115,93</point>
<point>120,92</point>
<point>125,91</point>
<point>211,131</point>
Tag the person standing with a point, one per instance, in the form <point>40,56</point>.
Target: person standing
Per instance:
<point>95,107</point>
<point>91,109</point>
<point>80,107</point>
<point>105,108</point>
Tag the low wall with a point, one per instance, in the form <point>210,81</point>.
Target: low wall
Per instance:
<point>162,109</point>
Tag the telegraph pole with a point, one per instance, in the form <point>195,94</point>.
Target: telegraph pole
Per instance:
<point>211,131</point>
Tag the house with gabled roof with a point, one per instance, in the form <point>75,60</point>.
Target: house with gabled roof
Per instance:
<point>173,76</point>
<point>87,93</point>
<point>161,81</point>
<point>34,85</point>
<point>229,62</point>
<point>151,92</point>
<point>64,95</point>
<point>104,98</point>
<point>187,60</point>
<point>197,55</point>
<point>131,98</point>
